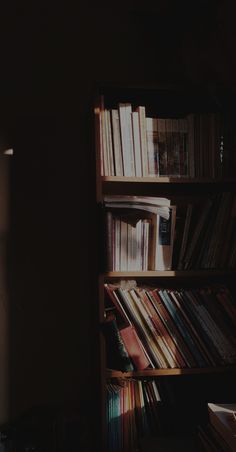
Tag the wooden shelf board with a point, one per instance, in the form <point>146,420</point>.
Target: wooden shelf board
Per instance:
<point>168,273</point>
<point>167,180</point>
<point>169,372</point>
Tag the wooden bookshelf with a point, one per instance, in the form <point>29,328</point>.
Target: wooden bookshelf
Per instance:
<point>181,188</point>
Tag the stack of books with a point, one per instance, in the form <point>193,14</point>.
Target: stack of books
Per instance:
<point>133,144</point>
<point>132,411</point>
<point>139,233</point>
<point>170,328</point>
<point>220,434</point>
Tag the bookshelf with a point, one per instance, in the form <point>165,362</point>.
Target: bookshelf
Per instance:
<point>181,190</point>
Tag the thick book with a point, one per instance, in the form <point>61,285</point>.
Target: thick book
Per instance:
<point>116,352</point>
<point>134,348</point>
<point>223,419</point>
<point>125,112</point>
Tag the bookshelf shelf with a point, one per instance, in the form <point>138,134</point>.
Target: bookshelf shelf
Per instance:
<point>169,274</point>
<point>169,372</point>
<point>167,180</point>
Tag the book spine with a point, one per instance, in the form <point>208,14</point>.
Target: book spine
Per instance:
<point>143,139</point>
<point>152,147</point>
<point>127,139</point>
<point>162,147</point>
<point>119,170</point>
<point>175,146</point>
<point>165,240</point>
<point>137,144</point>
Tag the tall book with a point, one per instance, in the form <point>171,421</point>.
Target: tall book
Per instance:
<point>143,138</point>
<point>118,158</point>
<point>125,112</point>
<point>137,144</point>
<point>152,146</point>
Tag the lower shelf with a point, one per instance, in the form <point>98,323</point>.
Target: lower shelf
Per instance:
<point>165,372</point>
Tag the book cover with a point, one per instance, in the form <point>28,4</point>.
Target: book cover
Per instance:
<point>116,352</point>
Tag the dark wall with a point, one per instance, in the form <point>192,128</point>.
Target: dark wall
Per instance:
<point>52,58</point>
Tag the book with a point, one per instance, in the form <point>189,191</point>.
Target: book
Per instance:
<point>125,111</point>
<point>134,348</point>
<point>222,417</point>
<point>152,146</point>
<point>162,147</point>
<point>116,353</point>
<point>118,157</point>
<point>143,138</point>
<point>137,144</point>
<point>164,240</point>
<point>109,144</point>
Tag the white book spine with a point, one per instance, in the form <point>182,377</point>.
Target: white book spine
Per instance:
<point>137,144</point>
<point>143,139</point>
<point>119,171</point>
<point>127,139</point>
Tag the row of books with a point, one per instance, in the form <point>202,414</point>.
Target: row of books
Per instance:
<point>220,433</point>
<point>139,233</point>
<point>132,412</point>
<point>167,328</point>
<point>132,144</point>
<point>209,235</point>
<point>148,233</point>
